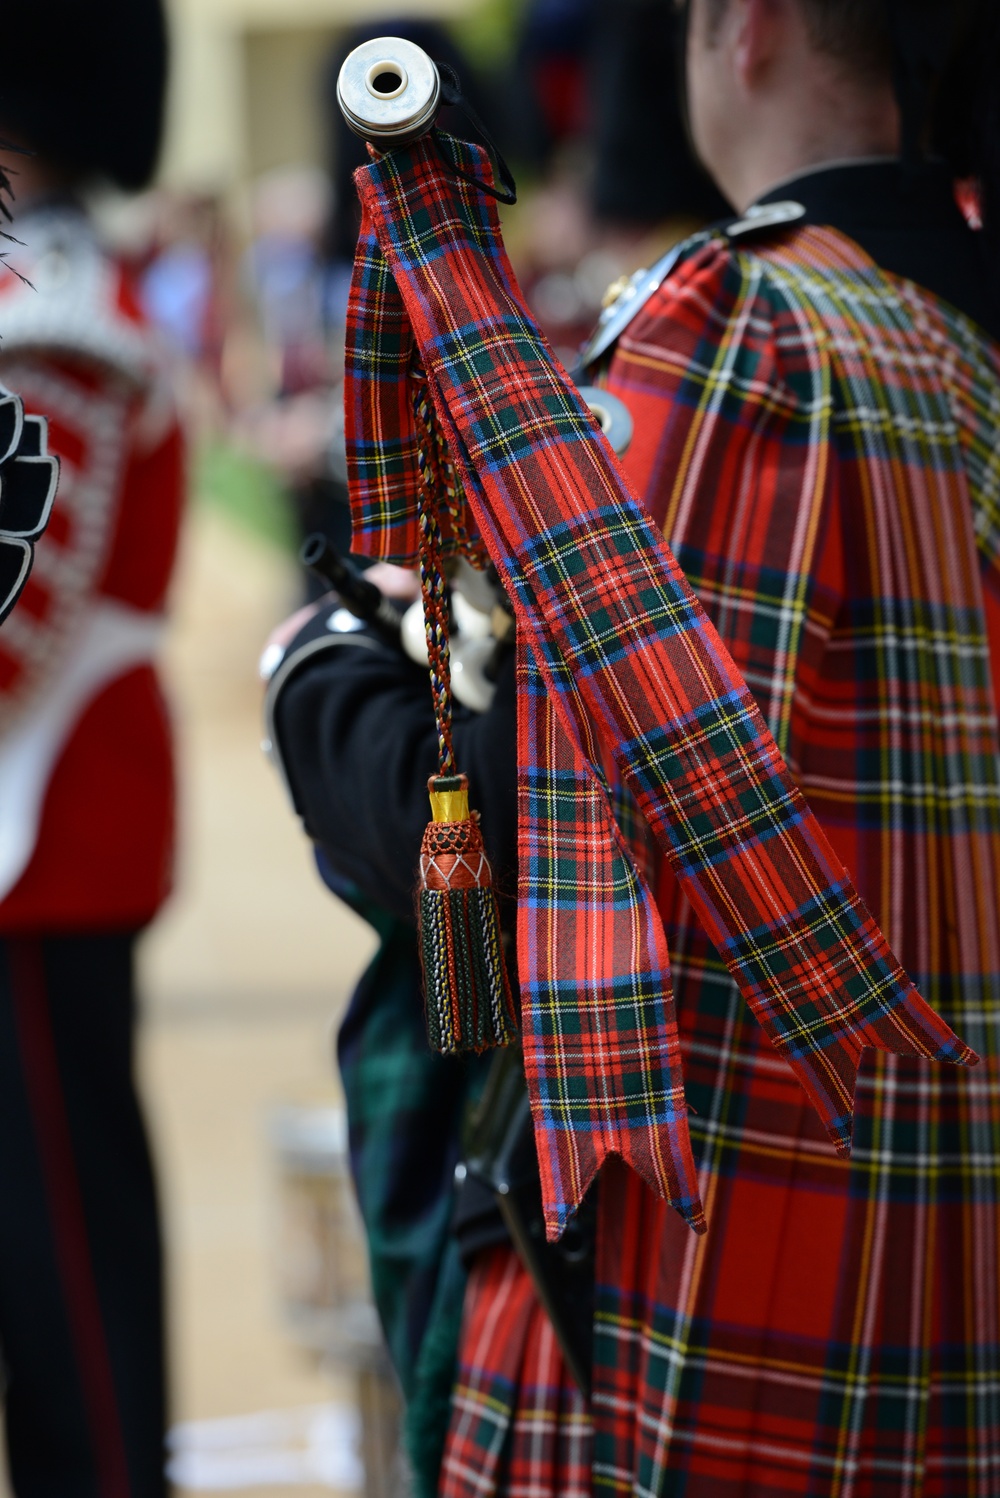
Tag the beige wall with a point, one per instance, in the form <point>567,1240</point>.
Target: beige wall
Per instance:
<point>282,79</point>
<point>246,76</point>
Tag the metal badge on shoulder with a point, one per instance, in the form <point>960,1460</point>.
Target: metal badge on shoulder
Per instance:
<point>764,216</point>
<point>633,292</point>
<point>629,295</point>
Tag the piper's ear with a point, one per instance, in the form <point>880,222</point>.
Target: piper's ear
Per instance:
<point>758,30</point>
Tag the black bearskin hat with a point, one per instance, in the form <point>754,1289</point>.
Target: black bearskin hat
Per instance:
<point>83,83</point>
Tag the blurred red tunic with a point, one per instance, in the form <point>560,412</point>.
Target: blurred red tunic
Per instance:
<point>86,766</point>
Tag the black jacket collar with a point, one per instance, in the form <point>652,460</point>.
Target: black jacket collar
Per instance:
<point>909,223</point>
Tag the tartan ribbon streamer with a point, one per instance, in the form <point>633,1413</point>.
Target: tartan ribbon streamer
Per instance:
<point>622,677</point>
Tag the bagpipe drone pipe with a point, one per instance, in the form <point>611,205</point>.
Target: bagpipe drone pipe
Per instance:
<point>466,437</point>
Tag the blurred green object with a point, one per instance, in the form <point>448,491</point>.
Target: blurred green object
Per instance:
<point>488,32</point>
<point>247,491</point>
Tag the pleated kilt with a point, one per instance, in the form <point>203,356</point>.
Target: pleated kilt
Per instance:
<point>519,1424</point>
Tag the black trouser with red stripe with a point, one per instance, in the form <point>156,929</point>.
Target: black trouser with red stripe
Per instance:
<point>81,1326</point>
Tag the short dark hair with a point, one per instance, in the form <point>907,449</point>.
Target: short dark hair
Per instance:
<point>943,57</point>
<point>852,31</point>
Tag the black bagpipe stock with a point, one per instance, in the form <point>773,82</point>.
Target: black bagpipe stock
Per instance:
<point>360,597</point>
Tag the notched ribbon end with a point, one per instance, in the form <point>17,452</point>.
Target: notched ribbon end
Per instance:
<point>915,1029</point>
<point>693,1213</point>
<point>696,1221</point>
<point>953,1051</point>
<point>558,1213</point>
<point>909,1027</point>
<point>965,1056</point>
<point>912,1027</point>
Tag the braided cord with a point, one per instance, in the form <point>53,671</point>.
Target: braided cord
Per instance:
<point>433,587</point>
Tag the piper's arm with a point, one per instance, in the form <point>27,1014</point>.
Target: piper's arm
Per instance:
<point>351,725</point>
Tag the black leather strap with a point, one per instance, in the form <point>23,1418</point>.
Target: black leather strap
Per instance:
<point>451,93</point>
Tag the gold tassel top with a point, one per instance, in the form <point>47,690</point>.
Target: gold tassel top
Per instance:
<point>449,798</point>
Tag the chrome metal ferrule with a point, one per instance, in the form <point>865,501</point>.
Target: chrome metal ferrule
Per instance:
<point>389,91</point>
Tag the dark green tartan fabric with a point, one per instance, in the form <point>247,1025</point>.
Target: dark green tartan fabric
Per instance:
<point>405,1107</point>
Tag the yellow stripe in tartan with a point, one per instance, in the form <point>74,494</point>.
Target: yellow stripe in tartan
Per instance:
<point>486,1402</point>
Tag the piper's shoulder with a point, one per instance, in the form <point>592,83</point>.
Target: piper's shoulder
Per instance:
<point>734,280</point>
<point>726,249</point>
<point>707,274</point>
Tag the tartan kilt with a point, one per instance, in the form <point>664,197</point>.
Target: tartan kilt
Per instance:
<point>805,1347</point>
<point>828,1337</point>
<point>519,1425</point>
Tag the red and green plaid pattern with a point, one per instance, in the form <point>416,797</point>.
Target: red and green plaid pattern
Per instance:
<point>820,443</point>
<point>519,1425</point>
<point>637,677</point>
<point>837,1333</point>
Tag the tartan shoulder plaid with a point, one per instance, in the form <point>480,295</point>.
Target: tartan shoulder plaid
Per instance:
<point>620,665</point>
<point>846,1355</point>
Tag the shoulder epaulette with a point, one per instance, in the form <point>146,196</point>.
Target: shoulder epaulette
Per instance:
<point>641,286</point>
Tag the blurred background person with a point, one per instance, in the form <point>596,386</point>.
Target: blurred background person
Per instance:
<point>86,776</point>
<point>299,265</point>
<point>287,278</point>
<point>593,114</point>
<point>177,245</point>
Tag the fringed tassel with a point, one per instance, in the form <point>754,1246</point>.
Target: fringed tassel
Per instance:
<point>466,987</point>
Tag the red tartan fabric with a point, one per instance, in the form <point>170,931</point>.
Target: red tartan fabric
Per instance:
<point>621,665</point>
<point>519,1424</point>
<point>837,1332</point>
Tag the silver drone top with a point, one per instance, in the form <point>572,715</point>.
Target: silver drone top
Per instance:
<point>389,91</point>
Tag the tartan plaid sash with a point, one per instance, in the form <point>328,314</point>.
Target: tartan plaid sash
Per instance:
<point>621,675</point>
